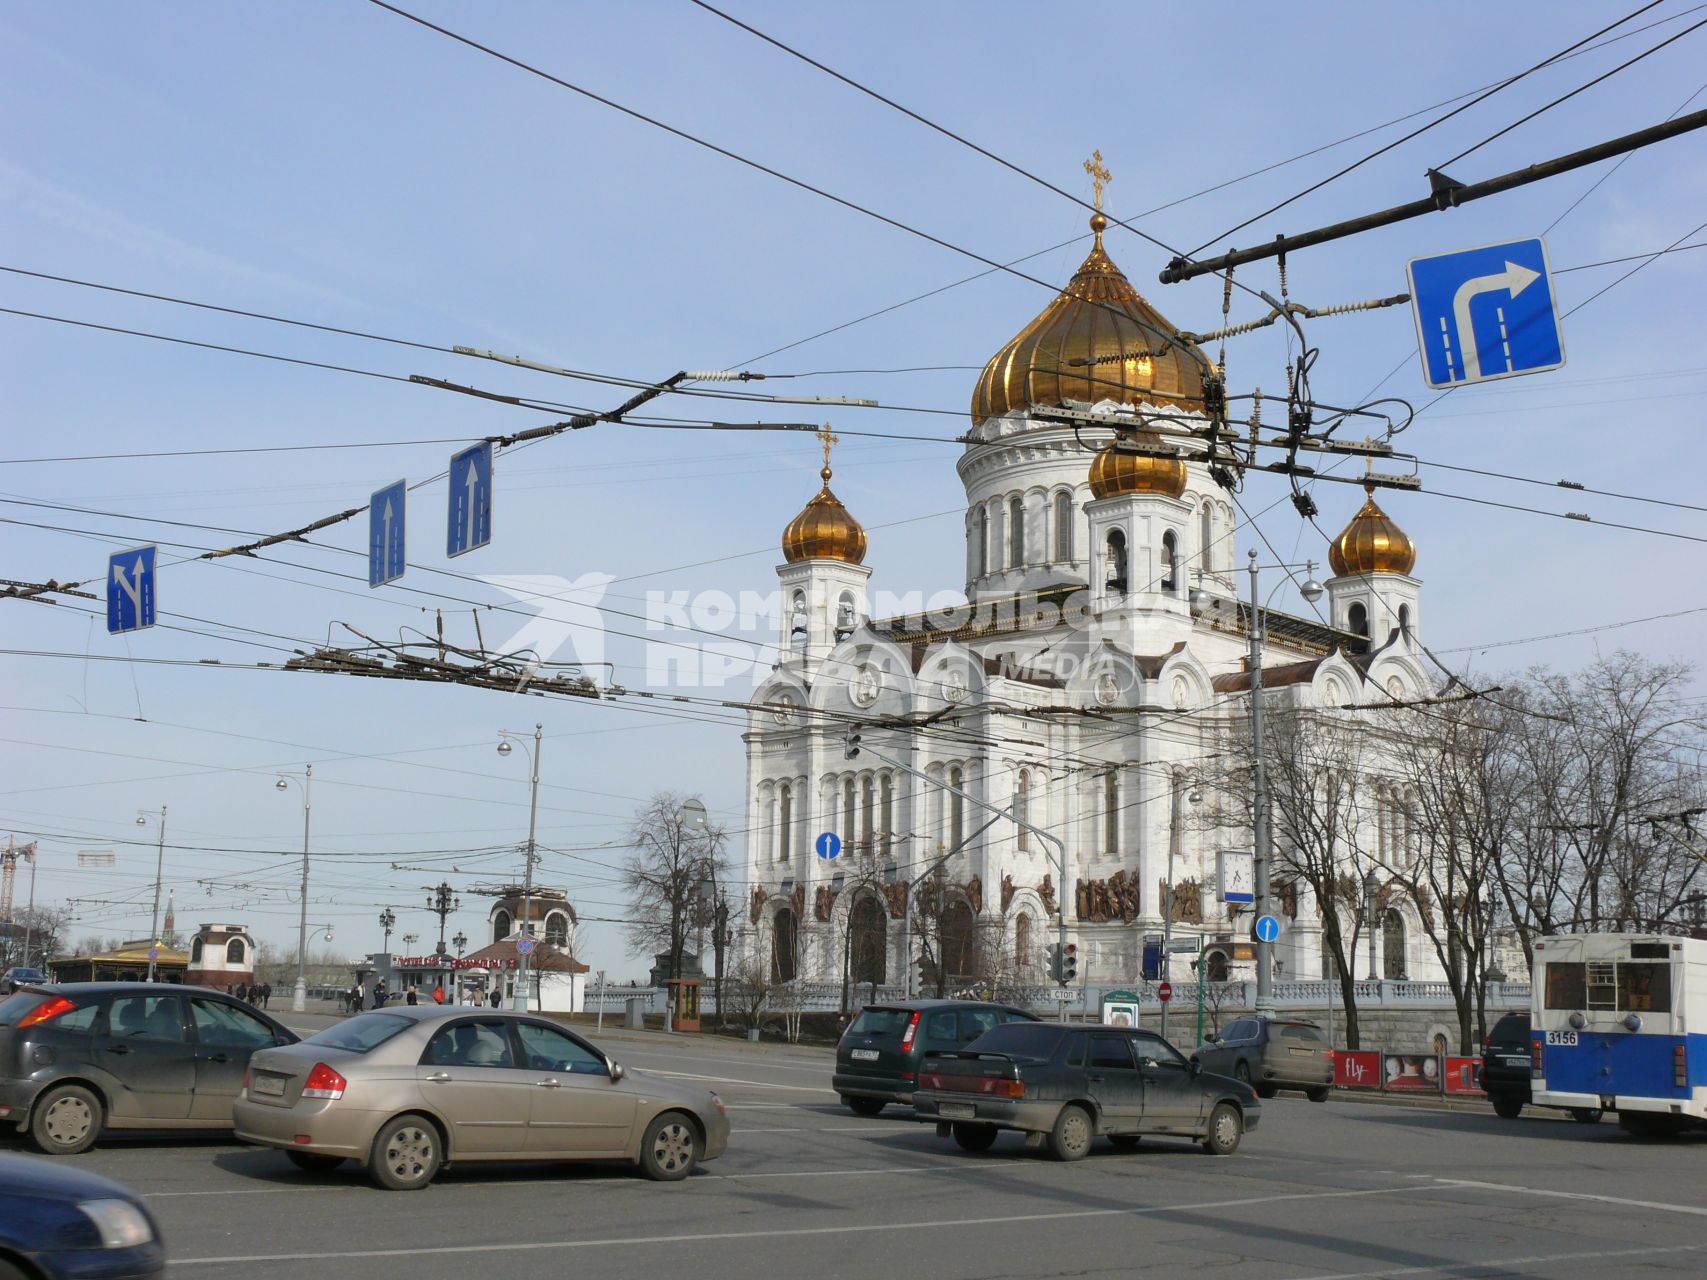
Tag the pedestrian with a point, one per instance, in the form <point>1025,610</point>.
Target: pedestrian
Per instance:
<point>353,999</point>
<point>266,993</point>
<point>379,994</point>
<point>497,997</point>
<point>410,997</point>
<point>242,992</point>
<point>439,994</point>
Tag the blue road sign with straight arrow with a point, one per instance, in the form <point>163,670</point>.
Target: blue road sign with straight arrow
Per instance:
<point>130,590</point>
<point>470,525</point>
<point>828,845</point>
<point>1486,313</point>
<point>385,552</point>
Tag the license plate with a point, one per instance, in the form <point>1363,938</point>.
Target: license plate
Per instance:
<point>1561,1037</point>
<point>956,1110</point>
<point>1512,1060</point>
<point>865,1055</point>
<point>267,1086</point>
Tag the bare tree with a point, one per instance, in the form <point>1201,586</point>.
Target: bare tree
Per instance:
<point>44,928</point>
<point>671,861</point>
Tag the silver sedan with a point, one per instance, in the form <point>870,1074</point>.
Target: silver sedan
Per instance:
<point>406,1091</point>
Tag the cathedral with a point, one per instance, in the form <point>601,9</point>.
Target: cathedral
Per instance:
<point>1087,688</point>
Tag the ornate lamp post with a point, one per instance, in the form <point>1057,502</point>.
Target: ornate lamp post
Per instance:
<point>388,922</point>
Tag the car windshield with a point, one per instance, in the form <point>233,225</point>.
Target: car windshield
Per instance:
<point>1022,1041</point>
<point>28,975</point>
<point>880,1022</point>
<point>363,1032</point>
<point>1513,1029</point>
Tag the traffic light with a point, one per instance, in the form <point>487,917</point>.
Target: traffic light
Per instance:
<point>851,743</point>
<point>1054,954</point>
<point>1069,963</point>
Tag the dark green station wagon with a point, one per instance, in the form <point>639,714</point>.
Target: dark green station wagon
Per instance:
<point>877,1060</point>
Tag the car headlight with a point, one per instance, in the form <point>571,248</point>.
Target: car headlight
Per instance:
<point>121,1224</point>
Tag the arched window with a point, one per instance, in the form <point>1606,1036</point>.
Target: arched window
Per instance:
<point>797,620</point>
<point>235,953</point>
<point>1219,969</point>
<point>1405,623</point>
<point>845,617</point>
<point>983,541</point>
<point>195,953</point>
<point>1016,533</point>
<point>784,946</point>
<point>1357,620</point>
<point>1111,812</point>
<point>868,815</point>
<point>1064,526</point>
<point>1206,538</point>
<point>500,925</point>
<point>1170,555</point>
<point>1116,579</point>
<point>557,930</point>
<point>1022,807</point>
<point>849,831</point>
<point>1392,946</point>
<point>868,947</point>
<point>956,808</point>
<point>784,822</point>
<point>886,813</point>
<point>1022,943</point>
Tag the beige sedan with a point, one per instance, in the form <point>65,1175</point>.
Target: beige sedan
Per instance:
<point>407,1091</point>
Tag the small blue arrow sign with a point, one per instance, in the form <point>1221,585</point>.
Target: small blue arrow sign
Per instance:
<point>828,845</point>
<point>130,590</point>
<point>470,524</point>
<point>1268,928</point>
<point>1486,313</point>
<point>385,553</point>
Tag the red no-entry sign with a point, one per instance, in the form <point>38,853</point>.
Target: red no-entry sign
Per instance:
<point>1165,992</point>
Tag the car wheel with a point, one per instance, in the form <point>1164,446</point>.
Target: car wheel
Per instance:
<point>1318,1094</point>
<point>975,1137</point>
<point>1507,1108</point>
<point>1071,1137</point>
<point>1125,1141</point>
<point>309,1162</point>
<point>405,1155</point>
<point>11,1271</point>
<point>1242,1072</point>
<point>1222,1136</point>
<point>865,1106</point>
<point>66,1120</point>
<point>1586,1115</point>
<point>670,1149</point>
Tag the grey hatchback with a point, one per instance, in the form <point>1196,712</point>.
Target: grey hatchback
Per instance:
<point>1272,1053</point>
<point>878,1057</point>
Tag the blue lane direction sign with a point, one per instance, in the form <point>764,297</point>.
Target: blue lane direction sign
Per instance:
<point>385,554</point>
<point>470,524</point>
<point>1267,929</point>
<point>1486,313</point>
<point>130,590</point>
<point>828,845</point>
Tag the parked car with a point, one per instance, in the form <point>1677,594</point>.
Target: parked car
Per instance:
<point>1506,1062</point>
<point>17,976</point>
<point>81,1057</point>
<point>878,1056</point>
<point>59,1223</point>
<point>1272,1053</point>
<point>407,1091</point>
<point>1064,1085</point>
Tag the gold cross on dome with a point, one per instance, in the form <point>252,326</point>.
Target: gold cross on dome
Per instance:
<point>829,439</point>
<point>1099,175</point>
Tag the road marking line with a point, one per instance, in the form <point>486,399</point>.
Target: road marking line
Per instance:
<point>1489,1265</point>
<point>745,1084</point>
<point>1693,1210</point>
<point>785,1233</point>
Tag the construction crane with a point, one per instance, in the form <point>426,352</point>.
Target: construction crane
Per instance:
<point>9,872</point>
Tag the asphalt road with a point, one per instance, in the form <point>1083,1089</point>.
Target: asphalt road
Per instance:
<point>1341,1189</point>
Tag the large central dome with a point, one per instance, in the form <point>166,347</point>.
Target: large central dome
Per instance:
<point>1098,314</point>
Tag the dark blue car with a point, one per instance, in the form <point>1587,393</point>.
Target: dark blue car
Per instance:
<point>63,1224</point>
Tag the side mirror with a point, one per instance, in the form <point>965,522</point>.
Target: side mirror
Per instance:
<point>1196,1067</point>
<point>616,1069</point>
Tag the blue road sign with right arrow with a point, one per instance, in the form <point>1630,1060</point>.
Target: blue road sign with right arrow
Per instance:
<point>828,845</point>
<point>385,553</point>
<point>1486,313</point>
<point>130,590</point>
<point>470,525</point>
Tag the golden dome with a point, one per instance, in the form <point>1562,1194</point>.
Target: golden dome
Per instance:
<point>1098,314</point>
<point>824,529</point>
<point>1371,543</point>
<point>1116,471</point>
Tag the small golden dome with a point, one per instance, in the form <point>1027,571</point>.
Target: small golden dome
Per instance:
<point>1116,471</point>
<point>1098,315</point>
<point>1371,543</point>
<point>824,529</point>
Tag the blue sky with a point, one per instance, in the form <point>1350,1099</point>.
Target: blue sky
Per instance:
<point>336,164</point>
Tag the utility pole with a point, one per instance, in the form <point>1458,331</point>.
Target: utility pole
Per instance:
<point>441,903</point>
<point>159,870</point>
<point>299,997</point>
<point>520,1000</point>
<point>29,851</point>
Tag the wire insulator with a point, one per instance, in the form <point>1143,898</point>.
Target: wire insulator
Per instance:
<point>718,375</point>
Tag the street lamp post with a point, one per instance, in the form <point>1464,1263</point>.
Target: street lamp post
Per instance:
<point>505,737</point>
<point>1311,590</point>
<point>459,942</point>
<point>387,922</point>
<point>1164,970</point>
<point>299,997</point>
<point>29,851</point>
<point>159,871</point>
<point>441,903</point>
